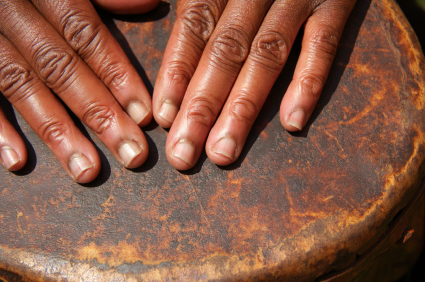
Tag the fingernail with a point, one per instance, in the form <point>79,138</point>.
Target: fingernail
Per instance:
<point>168,111</point>
<point>129,151</point>
<point>226,147</point>
<point>9,157</point>
<point>78,165</point>
<point>137,111</point>
<point>185,151</point>
<point>297,119</point>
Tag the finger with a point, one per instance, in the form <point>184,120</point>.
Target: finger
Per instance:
<point>13,153</point>
<point>73,81</point>
<point>195,23</point>
<point>79,24</point>
<point>214,77</point>
<point>128,6</point>
<point>46,117</point>
<point>321,36</point>
<point>268,54</point>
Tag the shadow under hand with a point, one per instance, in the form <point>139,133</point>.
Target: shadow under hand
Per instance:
<point>32,158</point>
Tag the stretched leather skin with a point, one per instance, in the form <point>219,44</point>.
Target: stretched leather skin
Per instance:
<point>294,207</point>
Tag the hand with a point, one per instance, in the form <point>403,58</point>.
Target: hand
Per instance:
<point>225,55</point>
<point>63,46</point>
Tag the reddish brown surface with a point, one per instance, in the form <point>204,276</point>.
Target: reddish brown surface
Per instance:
<point>294,206</point>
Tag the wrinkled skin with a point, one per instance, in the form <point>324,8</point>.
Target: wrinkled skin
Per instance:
<point>63,46</point>
<point>223,57</point>
<point>221,62</point>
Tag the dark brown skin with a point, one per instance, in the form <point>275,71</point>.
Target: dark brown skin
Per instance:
<point>63,46</point>
<point>233,51</point>
<point>225,55</point>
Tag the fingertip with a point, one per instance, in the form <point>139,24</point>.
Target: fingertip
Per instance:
<point>182,155</point>
<point>166,114</point>
<point>140,113</point>
<point>178,164</point>
<point>294,121</point>
<point>223,152</point>
<point>127,7</point>
<point>147,120</point>
<point>289,127</point>
<point>83,168</point>
<point>12,159</point>
<point>132,153</point>
<point>13,153</point>
<point>163,123</point>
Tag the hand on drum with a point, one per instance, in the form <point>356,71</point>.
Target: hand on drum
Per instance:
<point>221,62</point>
<point>222,59</point>
<point>63,46</point>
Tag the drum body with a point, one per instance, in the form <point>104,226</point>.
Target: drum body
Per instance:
<point>338,201</point>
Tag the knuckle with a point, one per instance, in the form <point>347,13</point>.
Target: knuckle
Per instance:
<point>230,48</point>
<point>15,79</point>
<point>243,109</point>
<point>89,38</point>
<point>99,117</point>
<point>82,32</point>
<point>311,85</point>
<point>270,49</point>
<point>53,132</point>
<point>180,72</point>
<point>113,75</point>
<point>202,110</point>
<point>325,41</point>
<point>199,20</point>
<point>56,67</point>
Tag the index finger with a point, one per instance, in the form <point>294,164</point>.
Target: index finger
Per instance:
<point>196,21</point>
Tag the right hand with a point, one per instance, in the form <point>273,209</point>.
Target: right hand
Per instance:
<point>223,58</point>
<point>63,46</point>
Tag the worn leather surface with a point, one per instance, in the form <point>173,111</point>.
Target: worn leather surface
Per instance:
<point>293,207</point>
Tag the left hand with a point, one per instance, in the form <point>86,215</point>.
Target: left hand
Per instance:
<point>225,55</point>
<point>63,47</point>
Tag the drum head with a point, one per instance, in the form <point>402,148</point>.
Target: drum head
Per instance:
<point>293,207</point>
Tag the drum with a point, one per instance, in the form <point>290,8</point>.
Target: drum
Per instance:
<point>340,201</point>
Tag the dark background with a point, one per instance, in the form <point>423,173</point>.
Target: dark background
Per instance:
<point>415,13</point>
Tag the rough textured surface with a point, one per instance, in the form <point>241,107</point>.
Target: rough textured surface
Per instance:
<point>294,206</point>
